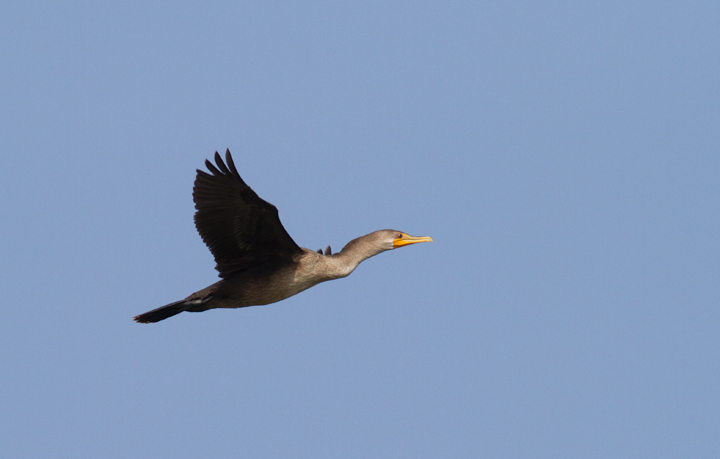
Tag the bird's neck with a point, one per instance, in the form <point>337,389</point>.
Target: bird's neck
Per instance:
<point>355,252</point>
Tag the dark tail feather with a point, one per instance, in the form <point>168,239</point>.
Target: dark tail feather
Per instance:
<point>169,310</point>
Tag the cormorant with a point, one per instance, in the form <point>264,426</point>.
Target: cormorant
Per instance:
<point>258,261</point>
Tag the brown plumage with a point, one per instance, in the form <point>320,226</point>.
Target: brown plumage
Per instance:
<point>258,261</point>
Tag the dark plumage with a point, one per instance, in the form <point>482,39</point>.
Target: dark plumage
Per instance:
<point>256,258</point>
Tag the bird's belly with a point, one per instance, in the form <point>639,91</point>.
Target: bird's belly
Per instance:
<point>265,289</point>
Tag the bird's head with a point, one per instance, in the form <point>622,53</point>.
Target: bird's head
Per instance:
<point>380,241</point>
<point>400,239</point>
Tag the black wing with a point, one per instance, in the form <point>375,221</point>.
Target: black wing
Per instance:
<point>240,229</point>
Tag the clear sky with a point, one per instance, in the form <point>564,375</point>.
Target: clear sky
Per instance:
<point>565,157</point>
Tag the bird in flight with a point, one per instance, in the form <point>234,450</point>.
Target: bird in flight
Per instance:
<point>258,261</point>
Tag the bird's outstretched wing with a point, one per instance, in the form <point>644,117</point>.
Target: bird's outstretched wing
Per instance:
<point>240,229</point>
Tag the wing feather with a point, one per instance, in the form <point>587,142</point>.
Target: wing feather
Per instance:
<point>240,229</point>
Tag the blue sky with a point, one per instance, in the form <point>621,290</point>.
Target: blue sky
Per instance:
<point>564,156</point>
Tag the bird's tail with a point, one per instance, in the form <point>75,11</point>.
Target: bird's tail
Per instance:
<point>169,310</point>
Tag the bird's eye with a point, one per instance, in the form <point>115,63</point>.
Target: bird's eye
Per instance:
<point>399,235</point>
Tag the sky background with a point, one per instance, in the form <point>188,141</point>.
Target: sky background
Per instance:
<point>564,156</point>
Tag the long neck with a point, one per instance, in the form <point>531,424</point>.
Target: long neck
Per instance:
<point>354,253</point>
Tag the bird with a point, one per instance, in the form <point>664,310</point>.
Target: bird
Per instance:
<point>257,260</point>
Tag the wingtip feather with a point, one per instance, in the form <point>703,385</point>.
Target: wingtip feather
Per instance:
<point>212,168</point>
<point>231,163</point>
